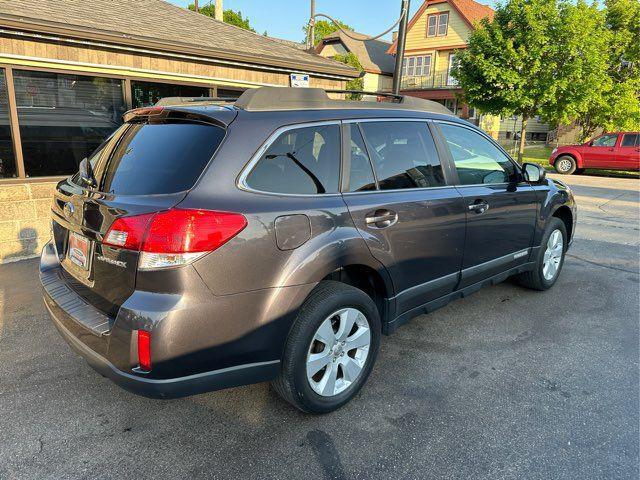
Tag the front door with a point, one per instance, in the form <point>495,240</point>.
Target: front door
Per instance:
<point>501,210</point>
<point>601,152</point>
<point>398,195</point>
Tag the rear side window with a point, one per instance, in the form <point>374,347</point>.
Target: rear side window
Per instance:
<point>403,154</point>
<point>148,159</point>
<point>630,140</point>
<point>300,161</point>
<point>477,160</point>
<point>361,175</point>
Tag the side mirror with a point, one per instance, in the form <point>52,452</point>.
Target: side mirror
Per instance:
<point>533,173</point>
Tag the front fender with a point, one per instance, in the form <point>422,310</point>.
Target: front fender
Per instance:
<point>553,195</point>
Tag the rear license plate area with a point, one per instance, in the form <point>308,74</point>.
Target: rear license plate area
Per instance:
<point>78,250</point>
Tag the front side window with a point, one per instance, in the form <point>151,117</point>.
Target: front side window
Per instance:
<point>300,161</point>
<point>608,140</point>
<point>403,154</point>
<point>630,140</point>
<point>477,160</point>
<point>63,118</point>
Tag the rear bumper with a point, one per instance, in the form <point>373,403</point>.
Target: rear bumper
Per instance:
<point>194,348</point>
<point>166,388</point>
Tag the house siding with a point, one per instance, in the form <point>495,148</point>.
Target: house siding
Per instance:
<point>457,34</point>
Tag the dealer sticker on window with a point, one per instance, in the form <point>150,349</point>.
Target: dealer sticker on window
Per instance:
<point>78,251</point>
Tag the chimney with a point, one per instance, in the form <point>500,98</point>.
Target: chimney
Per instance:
<point>219,10</point>
<point>394,36</point>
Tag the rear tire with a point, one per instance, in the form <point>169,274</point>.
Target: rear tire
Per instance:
<point>565,165</point>
<point>333,318</point>
<point>550,258</point>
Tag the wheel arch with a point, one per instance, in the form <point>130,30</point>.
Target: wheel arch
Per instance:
<point>564,213</point>
<point>375,283</point>
<point>573,154</point>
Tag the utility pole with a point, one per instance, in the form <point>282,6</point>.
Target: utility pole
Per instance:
<point>312,26</point>
<point>219,15</point>
<point>195,6</point>
<point>402,37</point>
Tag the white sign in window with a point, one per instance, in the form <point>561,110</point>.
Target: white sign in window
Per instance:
<point>299,80</point>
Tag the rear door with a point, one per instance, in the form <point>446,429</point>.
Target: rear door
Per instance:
<point>501,208</point>
<point>400,200</point>
<point>144,167</point>
<point>628,152</point>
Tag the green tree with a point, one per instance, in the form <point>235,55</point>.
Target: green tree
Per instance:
<point>357,83</point>
<point>536,57</point>
<point>323,28</point>
<point>228,16</point>
<point>618,108</point>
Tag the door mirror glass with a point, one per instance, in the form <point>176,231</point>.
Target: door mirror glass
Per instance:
<point>534,173</point>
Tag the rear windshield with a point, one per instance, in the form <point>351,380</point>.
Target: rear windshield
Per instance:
<point>159,158</point>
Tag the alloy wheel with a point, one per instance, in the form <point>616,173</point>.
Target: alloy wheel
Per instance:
<point>338,352</point>
<point>553,255</point>
<point>564,165</point>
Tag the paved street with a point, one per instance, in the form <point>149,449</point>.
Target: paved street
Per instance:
<point>507,383</point>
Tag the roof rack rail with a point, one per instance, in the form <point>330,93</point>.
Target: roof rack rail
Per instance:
<point>166,101</point>
<point>288,98</point>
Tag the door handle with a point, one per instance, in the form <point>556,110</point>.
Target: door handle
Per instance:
<point>479,206</point>
<point>381,218</point>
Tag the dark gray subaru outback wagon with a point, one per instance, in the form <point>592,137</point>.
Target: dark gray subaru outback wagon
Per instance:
<point>208,245</point>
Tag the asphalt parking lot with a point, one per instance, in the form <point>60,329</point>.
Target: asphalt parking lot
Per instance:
<point>507,383</point>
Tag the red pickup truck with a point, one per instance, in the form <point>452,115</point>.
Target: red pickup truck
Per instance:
<point>611,151</point>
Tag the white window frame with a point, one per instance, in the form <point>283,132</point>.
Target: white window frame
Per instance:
<point>417,66</point>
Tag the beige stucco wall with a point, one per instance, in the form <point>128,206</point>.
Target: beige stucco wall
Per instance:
<point>25,219</point>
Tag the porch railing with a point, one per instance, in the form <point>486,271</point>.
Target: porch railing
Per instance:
<point>442,80</point>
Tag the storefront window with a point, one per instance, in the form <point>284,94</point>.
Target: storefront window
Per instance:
<point>145,94</point>
<point>7,159</point>
<point>63,118</point>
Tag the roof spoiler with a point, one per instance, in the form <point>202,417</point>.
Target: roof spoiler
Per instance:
<point>288,98</point>
<point>167,101</point>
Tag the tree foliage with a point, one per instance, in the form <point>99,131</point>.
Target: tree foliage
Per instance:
<point>228,16</point>
<point>618,108</point>
<point>357,83</point>
<point>536,57</point>
<point>323,28</point>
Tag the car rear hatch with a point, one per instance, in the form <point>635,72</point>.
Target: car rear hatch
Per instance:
<point>148,165</point>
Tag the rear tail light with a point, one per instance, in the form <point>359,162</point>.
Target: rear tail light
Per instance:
<point>144,350</point>
<point>174,237</point>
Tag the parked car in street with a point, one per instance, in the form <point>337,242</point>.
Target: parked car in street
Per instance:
<point>611,151</point>
<point>208,245</point>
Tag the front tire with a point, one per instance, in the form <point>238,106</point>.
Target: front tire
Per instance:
<point>330,350</point>
<point>550,258</point>
<point>565,165</point>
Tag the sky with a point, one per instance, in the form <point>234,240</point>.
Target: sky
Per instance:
<point>285,18</point>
